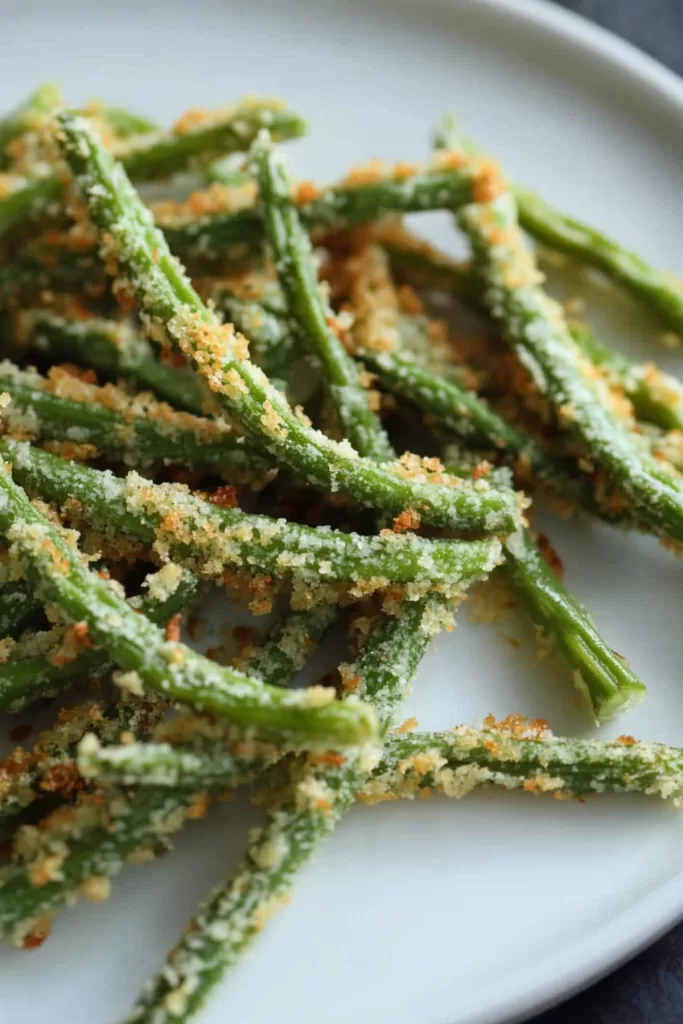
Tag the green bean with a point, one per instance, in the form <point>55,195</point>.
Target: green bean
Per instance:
<point>336,207</point>
<point>609,684</point>
<point>27,776</point>
<point>321,795</point>
<point>137,429</point>
<point>382,671</point>
<point>162,765</point>
<point>26,677</point>
<point>470,418</point>
<point>208,768</point>
<point>531,323</point>
<point>29,893</point>
<point>49,764</point>
<point>124,123</point>
<point>27,116</point>
<point>514,754</point>
<point>657,291</point>
<point>271,342</point>
<point>535,328</point>
<point>234,913</point>
<point>419,263</point>
<point>657,396</point>
<point>229,130</point>
<point>307,307</point>
<point>161,154</point>
<point>207,538</point>
<point>41,270</point>
<point>354,203</point>
<point>606,680</point>
<point>113,349</point>
<point>165,666</point>
<point>224,172</point>
<point>289,644</point>
<point>237,236</point>
<point>32,114</point>
<point>517,754</point>
<point>40,197</point>
<point>172,308</point>
<point>600,674</point>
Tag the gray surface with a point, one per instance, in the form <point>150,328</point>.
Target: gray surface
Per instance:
<point>656,26</point>
<point>649,989</point>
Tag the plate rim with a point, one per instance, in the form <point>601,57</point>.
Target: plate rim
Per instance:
<point>588,957</point>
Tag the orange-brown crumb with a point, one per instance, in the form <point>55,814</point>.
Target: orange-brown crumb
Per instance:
<point>350,682</point>
<point>488,182</point>
<point>306,192</point>
<point>40,931</point>
<point>331,758</point>
<point>409,519</point>
<point>173,627</point>
<point>366,174</point>
<point>63,778</point>
<point>407,726</point>
<point>199,807</point>
<point>409,301</point>
<point>518,726</point>
<point>190,120</point>
<point>80,631</point>
<point>449,160</point>
<point>225,497</point>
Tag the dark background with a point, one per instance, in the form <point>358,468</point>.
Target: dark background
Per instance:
<point>649,989</point>
<point>656,26</point>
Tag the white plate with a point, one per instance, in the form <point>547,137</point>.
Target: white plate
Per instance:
<point>434,913</point>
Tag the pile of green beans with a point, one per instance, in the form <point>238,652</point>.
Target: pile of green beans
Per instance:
<point>233,419</point>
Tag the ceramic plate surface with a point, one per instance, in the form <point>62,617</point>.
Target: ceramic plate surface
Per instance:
<point>431,913</point>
